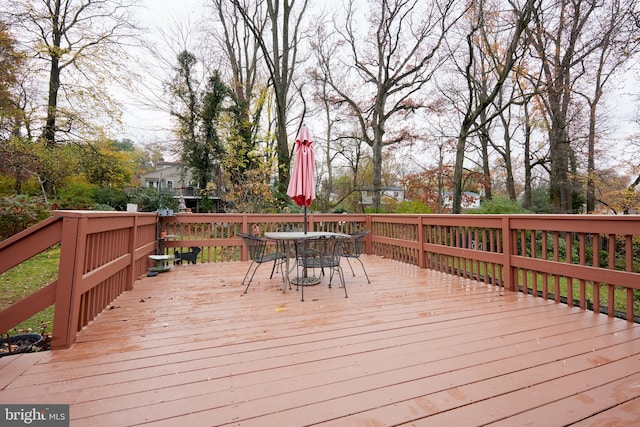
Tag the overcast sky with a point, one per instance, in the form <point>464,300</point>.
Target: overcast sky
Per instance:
<point>149,127</point>
<point>142,124</point>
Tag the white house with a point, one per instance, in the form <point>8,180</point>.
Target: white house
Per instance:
<point>395,192</point>
<point>469,200</point>
<point>174,178</point>
<point>167,176</point>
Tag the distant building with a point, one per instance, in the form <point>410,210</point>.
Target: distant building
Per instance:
<point>174,178</point>
<point>167,176</point>
<point>394,192</point>
<point>470,200</point>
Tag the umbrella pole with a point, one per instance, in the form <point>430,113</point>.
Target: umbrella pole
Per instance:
<point>304,228</point>
<point>304,223</point>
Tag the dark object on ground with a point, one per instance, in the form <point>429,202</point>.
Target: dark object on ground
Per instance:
<point>152,273</point>
<point>24,343</point>
<point>189,257</point>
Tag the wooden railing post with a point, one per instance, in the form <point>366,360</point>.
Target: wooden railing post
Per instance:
<point>507,252</point>
<point>367,241</point>
<point>72,249</point>
<point>244,251</point>
<point>133,244</point>
<point>422,261</point>
<point>245,223</point>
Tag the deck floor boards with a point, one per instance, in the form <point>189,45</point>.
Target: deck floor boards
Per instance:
<point>413,347</point>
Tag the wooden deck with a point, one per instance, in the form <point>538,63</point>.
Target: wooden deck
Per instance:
<point>415,346</point>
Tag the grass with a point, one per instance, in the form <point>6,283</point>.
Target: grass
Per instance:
<point>26,278</point>
<point>620,295</point>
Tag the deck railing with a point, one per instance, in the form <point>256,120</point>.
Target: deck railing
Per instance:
<point>588,261</point>
<point>101,256</point>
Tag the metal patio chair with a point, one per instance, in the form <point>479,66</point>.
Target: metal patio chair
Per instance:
<point>353,248</point>
<point>319,253</point>
<point>260,252</point>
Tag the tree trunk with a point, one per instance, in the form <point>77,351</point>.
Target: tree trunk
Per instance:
<point>377,167</point>
<point>486,166</point>
<point>591,150</point>
<point>440,177</point>
<point>527,203</point>
<point>49,132</point>
<point>457,174</point>
<point>329,186</point>
<point>511,185</point>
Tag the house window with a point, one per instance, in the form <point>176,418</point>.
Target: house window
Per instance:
<point>169,184</point>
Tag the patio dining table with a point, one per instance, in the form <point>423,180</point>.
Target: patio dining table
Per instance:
<point>289,238</point>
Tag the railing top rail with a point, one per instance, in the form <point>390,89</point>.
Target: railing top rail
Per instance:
<point>428,240</point>
<point>24,233</point>
<point>99,214</point>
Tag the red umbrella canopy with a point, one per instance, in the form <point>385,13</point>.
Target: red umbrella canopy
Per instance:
<point>302,185</point>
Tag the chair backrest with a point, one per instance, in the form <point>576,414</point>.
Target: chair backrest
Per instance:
<point>255,245</point>
<point>354,246</point>
<point>320,252</point>
<point>332,251</point>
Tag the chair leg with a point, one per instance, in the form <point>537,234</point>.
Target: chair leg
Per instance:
<point>344,283</point>
<point>247,274</point>
<point>349,262</point>
<point>250,280</point>
<point>363,269</point>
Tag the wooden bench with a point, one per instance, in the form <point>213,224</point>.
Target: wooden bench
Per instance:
<point>163,263</point>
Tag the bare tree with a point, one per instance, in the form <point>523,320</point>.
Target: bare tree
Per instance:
<point>388,68</point>
<point>280,53</point>
<point>242,53</point>
<point>85,38</point>
<point>567,35</point>
<point>527,87</point>
<point>325,48</point>
<point>619,43</point>
<point>322,96</point>
<point>502,65</point>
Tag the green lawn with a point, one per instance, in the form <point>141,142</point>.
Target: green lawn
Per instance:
<point>25,279</point>
<point>620,294</point>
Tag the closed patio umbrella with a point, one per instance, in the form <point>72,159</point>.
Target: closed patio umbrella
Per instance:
<point>302,185</point>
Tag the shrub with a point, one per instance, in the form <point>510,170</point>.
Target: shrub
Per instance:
<point>148,200</point>
<point>29,186</point>
<point>102,207</point>
<point>116,199</point>
<point>76,194</point>
<point>415,207</point>
<point>18,213</point>
<point>498,205</point>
